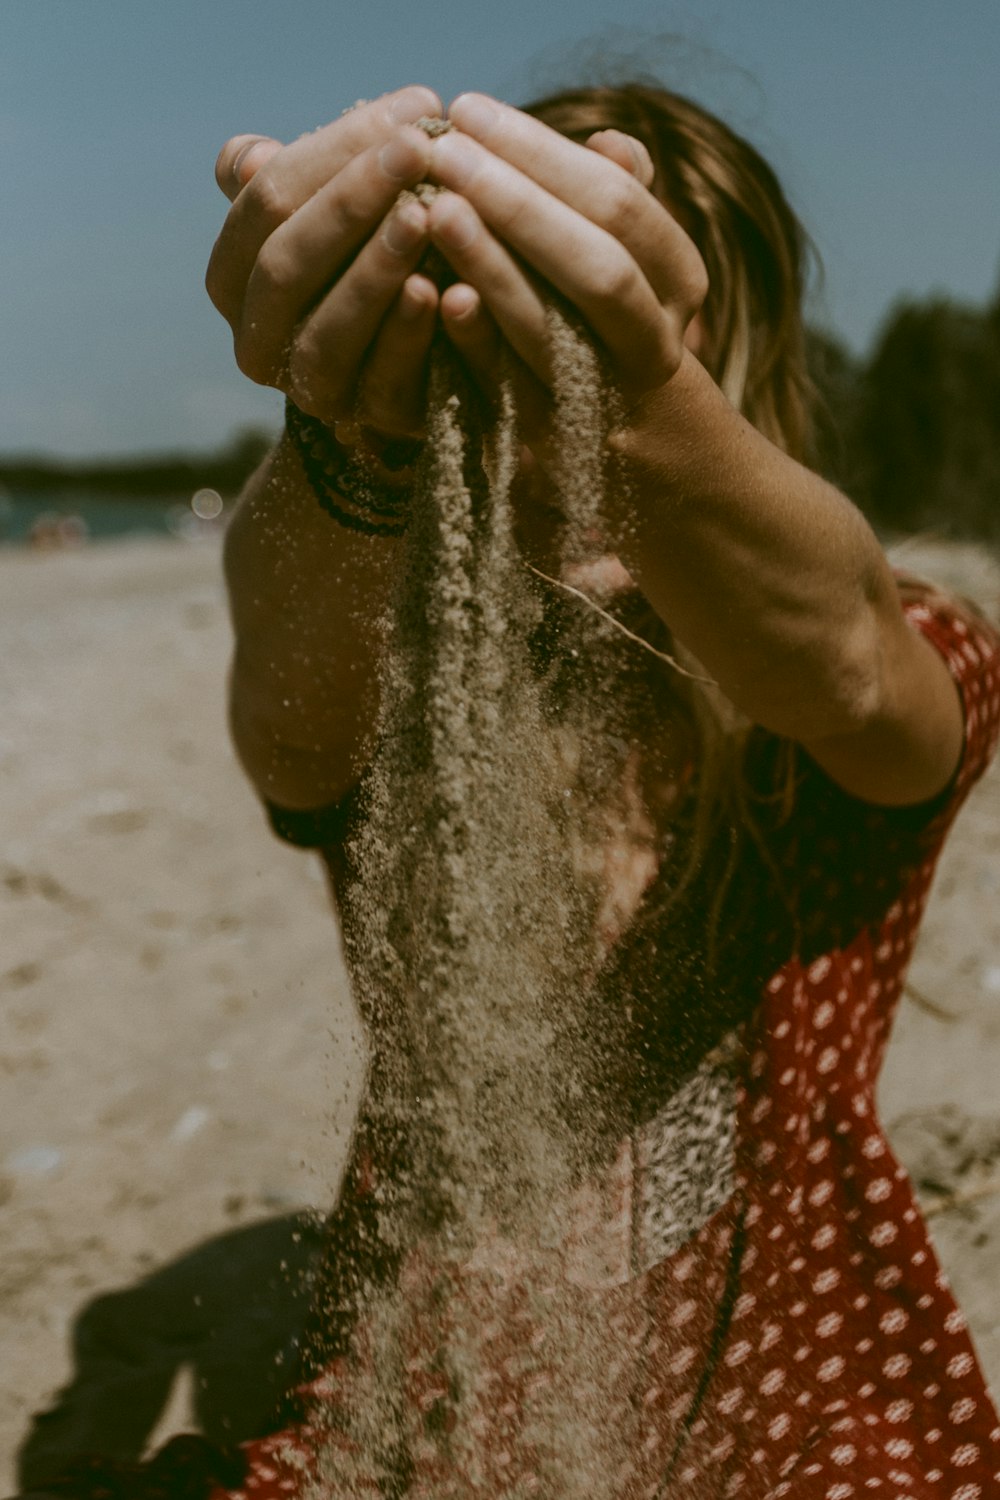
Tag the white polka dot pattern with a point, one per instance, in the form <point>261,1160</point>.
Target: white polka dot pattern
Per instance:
<point>792,1336</point>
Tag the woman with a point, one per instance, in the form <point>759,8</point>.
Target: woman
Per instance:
<point>795,1334</point>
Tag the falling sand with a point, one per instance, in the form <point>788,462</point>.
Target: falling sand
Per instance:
<point>471,943</point>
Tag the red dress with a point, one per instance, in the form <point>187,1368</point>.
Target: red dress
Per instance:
<point>803,1340</point>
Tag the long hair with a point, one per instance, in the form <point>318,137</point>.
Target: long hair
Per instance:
<point>757,255</point>
<point>755,250</point>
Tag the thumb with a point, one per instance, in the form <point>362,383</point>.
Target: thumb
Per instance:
<point>626,151</point>
<point>239,160</point>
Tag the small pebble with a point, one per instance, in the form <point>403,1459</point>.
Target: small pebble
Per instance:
<point>34,1161</point>
<point>190,1122</point>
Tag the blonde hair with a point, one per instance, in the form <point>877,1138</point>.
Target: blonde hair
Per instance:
<point>755,250</point>
<point>757,255</point>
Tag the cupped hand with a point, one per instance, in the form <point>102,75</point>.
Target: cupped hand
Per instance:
<point>315,269</point>
<point>529,208</point>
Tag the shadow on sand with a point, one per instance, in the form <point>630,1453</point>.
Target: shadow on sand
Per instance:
<point>231,1311</point>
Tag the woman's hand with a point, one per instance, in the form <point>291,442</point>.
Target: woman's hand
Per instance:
<point>527,207</point>
<point>315,269</point>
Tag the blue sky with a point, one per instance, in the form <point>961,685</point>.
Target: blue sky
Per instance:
<point>880,116</point>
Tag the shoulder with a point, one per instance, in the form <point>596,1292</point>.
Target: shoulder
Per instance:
<point>969,645</point>
<point>933,659</point>
<point>845,859</point>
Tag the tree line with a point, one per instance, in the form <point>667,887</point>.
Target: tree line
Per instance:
<point>151,477</point>
<point>912,432</point>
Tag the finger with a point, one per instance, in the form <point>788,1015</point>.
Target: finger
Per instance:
<point>587,265</point>
<point>510,294</point>
<point>474,334</point>
<point>394,379</point>
<point>329,348</point>
<point>626,151</point>
<point>306,253</point>
<point>240,158</point>
<point>580,178</point>
<point>491,360</point>
<point>290,177</point>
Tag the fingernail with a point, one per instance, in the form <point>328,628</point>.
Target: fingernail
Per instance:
<point>410,307</point>
<point>477,114</point>
<point>641,156</point>
<point>458,230</point>
<point>404,230</point>
<point>456,156</point>
<point>468,306</point>
<point>396,160</point>
<point>241,157</point>
<point>411,104</point>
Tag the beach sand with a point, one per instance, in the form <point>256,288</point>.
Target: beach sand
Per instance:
<point>179,1057</point>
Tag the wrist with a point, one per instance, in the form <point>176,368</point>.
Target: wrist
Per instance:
<point>655,424</point>
<point>680,441</point>
<point>390,460</point>
<point>361,478</point>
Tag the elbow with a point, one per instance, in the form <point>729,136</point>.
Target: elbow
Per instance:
<point>296,762</point>
<point>256,743</point>
<point>832,689</point>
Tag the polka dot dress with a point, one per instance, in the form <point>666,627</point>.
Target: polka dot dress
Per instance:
<point>802,1341</point>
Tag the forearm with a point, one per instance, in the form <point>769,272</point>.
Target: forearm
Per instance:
<point>769,575</point>
<point>307,599</point>
<point>307,596</point>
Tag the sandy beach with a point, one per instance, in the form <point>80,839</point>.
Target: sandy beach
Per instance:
<point>178,1053</point>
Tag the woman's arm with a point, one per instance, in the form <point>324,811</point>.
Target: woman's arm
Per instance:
<point>777,583</point>
<point>315,270</point>
<point>307,599</point>
<point>769,575</point>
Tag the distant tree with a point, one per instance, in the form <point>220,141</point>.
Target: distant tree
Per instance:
<point>928,430</point>
<point>993,311</point>
<point>247,447</point>
<point>144,477</point>
<point>837,377</point>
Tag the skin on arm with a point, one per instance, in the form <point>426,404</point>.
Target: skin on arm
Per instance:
<point>307,599</point>
<point>768,574</point>
<point>780,587</point>
<point>315,270</point>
